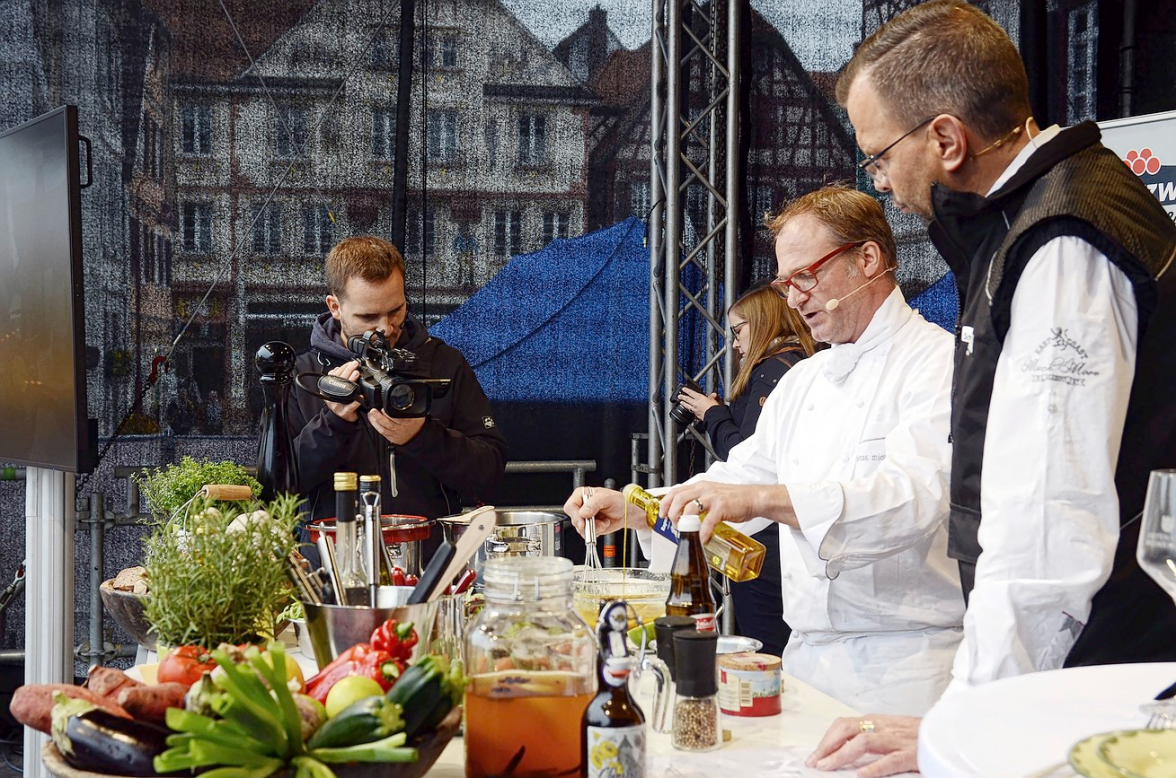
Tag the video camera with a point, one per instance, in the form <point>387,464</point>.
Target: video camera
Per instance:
<point>386,380</point>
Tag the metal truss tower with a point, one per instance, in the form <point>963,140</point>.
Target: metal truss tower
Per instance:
<point>693,226</point>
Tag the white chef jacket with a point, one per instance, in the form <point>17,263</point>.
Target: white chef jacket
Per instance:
<point>859,435</point>
<point>1050,509</point>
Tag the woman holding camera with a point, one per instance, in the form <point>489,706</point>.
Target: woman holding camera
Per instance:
<point>770,338</point>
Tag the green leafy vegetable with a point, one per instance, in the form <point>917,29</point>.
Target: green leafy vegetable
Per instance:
<point>260,732</point>
<point>168,488</point>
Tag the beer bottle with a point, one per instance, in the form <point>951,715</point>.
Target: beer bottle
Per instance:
<point>347,549</point>
<point>690,591</point>
<point>612,744</point>
<point>729,551</point>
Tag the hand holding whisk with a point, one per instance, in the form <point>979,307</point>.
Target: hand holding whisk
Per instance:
<point>591,558</point>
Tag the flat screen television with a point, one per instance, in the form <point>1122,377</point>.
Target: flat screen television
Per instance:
<point>43,416</point>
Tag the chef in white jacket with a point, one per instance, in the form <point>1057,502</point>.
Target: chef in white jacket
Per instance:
<point>851,454</point>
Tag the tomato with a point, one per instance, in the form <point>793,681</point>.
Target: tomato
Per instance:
<point>397,576</point>
<point>410,580</point>
<point>185,664</point>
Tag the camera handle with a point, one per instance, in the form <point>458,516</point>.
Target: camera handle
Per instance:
<point>329,387</point>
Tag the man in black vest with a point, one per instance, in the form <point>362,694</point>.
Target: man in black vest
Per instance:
<point>1063,388</point>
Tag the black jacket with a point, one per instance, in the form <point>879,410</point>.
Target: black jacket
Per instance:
<point>1076,187</point>
<point>728,425</point>
<point>457,458</point>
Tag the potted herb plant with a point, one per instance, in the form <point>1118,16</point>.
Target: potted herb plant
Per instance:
<point>218,575</point>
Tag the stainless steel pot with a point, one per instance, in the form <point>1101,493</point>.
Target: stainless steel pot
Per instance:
<point>517,533</point>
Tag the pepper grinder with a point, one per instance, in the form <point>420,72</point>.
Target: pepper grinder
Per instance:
<point>277,462</point>
<point>696,707</point>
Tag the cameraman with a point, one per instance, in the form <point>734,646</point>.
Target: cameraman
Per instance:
<point>454,454</point>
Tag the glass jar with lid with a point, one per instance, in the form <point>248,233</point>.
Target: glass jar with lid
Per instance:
<point>532,663</point>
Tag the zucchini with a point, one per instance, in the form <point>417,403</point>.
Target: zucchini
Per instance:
<point>422,694</point>
<point>364,721</point>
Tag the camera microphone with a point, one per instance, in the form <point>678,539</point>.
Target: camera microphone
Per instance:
<point>832,304</point>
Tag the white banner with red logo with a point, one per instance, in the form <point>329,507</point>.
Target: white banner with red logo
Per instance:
<point>1147,145</point>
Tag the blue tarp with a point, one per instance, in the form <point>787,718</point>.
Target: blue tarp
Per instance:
<point>570,322</point>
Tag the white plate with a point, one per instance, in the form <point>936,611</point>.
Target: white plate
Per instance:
<point>1143,753</point>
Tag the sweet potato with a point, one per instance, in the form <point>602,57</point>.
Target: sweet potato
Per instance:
<point>32,704</point>
<point>109,682</point>
<point>150,703</point>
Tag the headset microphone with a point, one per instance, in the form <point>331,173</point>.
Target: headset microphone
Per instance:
<point>832,304</point>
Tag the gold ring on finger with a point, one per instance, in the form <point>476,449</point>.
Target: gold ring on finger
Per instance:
<point>866,726</point>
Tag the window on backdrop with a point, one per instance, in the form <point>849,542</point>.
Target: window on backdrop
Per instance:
<point>443,137</point>
<point>383,133</point>
<point>508,232</point>
<point>318,231</point>
<point>532,139</point>
<point>290,132</point>
<point>555,225</point>
<point>196,227</point>
<point>267,228</point>
<point>412,233</point>
<point>196,129</point>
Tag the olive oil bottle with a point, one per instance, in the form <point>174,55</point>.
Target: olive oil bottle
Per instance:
<point>729,551</point>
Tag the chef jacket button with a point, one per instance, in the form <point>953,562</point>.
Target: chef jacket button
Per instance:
<point>861,403</point>
<point>810,406</point>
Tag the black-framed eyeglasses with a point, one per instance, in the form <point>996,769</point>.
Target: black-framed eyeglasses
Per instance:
<point>805,280</point>
<point>872,161</point>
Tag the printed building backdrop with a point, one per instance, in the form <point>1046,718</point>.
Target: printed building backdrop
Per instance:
<point>235,141</point>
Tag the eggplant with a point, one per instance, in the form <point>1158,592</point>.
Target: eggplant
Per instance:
<point>98,741</point>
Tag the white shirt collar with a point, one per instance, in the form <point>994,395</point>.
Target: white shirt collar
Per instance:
<point>1036,142</point>
<point>888,319</point>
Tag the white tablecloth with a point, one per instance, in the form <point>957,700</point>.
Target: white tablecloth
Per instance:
<point>1024,726</point>
<point>766,746</point>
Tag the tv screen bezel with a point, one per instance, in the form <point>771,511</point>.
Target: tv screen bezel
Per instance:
<point>85,444</point>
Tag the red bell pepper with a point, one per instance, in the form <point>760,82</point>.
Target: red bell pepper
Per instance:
<point>396,639</point>
<point>361,659</point>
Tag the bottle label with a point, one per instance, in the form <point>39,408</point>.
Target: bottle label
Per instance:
<point>665,528</point>
<point>616,752</point>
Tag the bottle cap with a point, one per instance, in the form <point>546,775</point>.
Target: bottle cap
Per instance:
<point>689,522</point>
<point>694,658</point>
<point>346,482</point>
<point>370,481</point>
<point>664,629</point>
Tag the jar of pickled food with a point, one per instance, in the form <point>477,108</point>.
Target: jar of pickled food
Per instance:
<point>532,664</point>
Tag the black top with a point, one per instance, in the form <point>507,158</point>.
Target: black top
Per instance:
<point>458,457</point>
<point>728,425</point>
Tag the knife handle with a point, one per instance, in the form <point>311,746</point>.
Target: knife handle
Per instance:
<point>431,578</point>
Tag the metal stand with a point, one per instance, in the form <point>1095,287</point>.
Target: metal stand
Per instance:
<point>694,127</point>
<point>49,606</point>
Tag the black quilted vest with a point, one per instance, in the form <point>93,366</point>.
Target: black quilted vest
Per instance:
<point>1072,186</point>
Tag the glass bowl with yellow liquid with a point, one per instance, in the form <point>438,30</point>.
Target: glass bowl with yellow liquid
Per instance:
<point>644,590</point>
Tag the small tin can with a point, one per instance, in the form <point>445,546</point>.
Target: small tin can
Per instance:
<point>705,622</point>
<point>749,684</point>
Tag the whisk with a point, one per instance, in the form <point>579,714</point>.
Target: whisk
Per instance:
<point>591,557</point>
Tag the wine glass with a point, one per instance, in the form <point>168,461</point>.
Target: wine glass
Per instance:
<point>1157,535</point>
